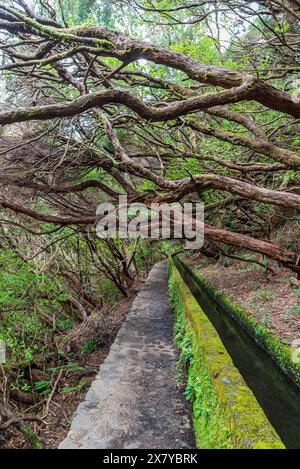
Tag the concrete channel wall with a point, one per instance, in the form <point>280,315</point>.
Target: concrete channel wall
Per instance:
<point>226,412</point>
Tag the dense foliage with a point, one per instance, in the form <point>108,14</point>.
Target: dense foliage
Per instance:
<point>162,101</point>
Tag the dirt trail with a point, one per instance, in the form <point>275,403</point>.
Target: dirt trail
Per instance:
<point>134,401</point>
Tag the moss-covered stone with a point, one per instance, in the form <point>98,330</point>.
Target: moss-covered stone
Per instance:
<point>280,352</point>
<point>225,411</point>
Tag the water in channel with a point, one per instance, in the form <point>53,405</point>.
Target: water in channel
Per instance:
<point>277,394</point>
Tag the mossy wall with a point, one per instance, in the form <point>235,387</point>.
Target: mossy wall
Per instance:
<point>280,352</point>
<point>225,411</point>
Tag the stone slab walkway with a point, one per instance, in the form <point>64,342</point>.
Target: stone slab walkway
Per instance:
<point>134,401</point>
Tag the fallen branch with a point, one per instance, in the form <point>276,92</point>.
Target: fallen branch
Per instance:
<point>79,306</point>
<point>13,419</point>
<point>265,266</point>
<point>52,394</point>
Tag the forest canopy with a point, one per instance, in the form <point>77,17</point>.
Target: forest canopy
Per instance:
<point>164,102</point>
<point>161,101</point>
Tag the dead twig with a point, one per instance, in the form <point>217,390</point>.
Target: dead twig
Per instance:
<point>52,394</point>
<point>13,419</point>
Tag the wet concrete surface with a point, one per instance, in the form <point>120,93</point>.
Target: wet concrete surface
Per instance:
<point>135,401</point>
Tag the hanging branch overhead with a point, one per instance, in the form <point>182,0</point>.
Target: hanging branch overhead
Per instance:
<point>149,121</point>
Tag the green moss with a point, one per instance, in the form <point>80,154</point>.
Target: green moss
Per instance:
<point>280,352</point>
<point>67,34</point>
<point>211,430</point>
<point>225,411</point>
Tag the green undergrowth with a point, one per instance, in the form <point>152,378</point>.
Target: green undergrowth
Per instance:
<point>26,298</point>
<point>280,352</point>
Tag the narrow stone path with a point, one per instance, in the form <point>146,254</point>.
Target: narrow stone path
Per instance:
<point>134,402</point>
